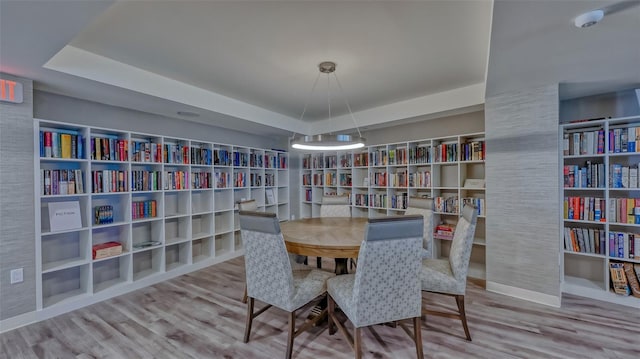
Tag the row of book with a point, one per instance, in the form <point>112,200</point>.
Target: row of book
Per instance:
<point>584,240</point>
<point>622,245</point>
<point>57,182</point>
<point>103,214</point>
<point>472,151</point>
<point>445,152</point>
<point>108,181</point>
<point>201,156</point>
<point>623,176</point>
<point>420,179</point>
<point>269,179</point>
<point>361,199</point>
<point>345,179</point>
<point>591,175</point>
<point>176,153</point>
<point>624,210</point>
<point>240,159</point>
<point>176,180</point>
<point>255,180</point>
<point>399,201</point>
<point>146,151</point>
<point>625,278</point>
<point>308,195</point>
<point>239,179</point>
<point>223,179</point>
<point>61,144</point>
<point>144,209</point>
<point>345,161</point>
<point>201,180</point>
<point>145,180</point>
<point>447,204</point>
<point>444,231</point>
<point>592,142</point>
<point>589,142</point>
<point>360,159</point>
<point>109,149</point>
<point>420,155</point>
<point>584,208</point>
<point>479,203</point>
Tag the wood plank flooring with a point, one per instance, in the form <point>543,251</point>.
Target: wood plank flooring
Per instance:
<point>200,315</point>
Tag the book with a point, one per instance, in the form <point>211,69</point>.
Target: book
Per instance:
<point>619,279</point>
<point>270,196</point>
<point>634,285</point>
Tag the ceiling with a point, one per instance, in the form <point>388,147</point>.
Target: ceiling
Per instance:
<point>250,65</point>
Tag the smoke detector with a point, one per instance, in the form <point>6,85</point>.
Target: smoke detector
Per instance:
<point>588,18</point>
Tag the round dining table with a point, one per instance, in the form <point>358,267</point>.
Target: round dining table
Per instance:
<point>327,237</point>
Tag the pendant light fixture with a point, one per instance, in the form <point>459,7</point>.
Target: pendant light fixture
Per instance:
<point>328,142</point>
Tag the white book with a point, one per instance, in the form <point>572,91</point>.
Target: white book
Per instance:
<point>625,176</point>
<point>633,177</point>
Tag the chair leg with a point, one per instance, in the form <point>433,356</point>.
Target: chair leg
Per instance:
<point>319,262</point>
<point>331,308</point>
<point>357,343</point>
<point>463,316</point>
<point>292,327</point>
<point>244,295</point>
<point>417,336</point>
<point>247,328</point>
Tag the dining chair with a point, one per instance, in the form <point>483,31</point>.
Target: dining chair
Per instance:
<point>449,276</point>
<point>248,205</point>
<point>424,207</point>
<point>335,206</point>
<point>270,278</point>
<point>385,287</point>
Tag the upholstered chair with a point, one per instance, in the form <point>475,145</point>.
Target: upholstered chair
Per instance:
<point>424,207</point>
<point>269,275</point>
<point>386,286</point>
<point>248,205</point>
<point>449,276</point>
<point>335,206</point>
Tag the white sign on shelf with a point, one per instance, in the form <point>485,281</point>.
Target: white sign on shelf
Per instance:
<point>271,198</point>
<point>64,215</point>
<point>474,183</point>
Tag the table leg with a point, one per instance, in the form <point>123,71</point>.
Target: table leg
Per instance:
<point>341,266</point>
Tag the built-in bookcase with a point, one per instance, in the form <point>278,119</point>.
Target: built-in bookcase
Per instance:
<point>601,204</point>
<point>170,202</point>
<point>380,179</point>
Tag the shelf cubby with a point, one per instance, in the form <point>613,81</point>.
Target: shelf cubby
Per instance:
<point>201,249</point>
<point>65,284</point>
<point>177,255</point>
<point>111,272</point>
<point>147,262</point>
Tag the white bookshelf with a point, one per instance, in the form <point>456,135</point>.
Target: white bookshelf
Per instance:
<point>173,212</point>
<point>585,265</point>
<point>380,178</point>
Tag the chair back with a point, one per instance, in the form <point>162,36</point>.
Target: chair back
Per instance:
<point>269,275</point>
<point>424,207</point>
<point>462,244</point>
<point>387,285</point>
<point>248,205</point>
<point>335,206</point>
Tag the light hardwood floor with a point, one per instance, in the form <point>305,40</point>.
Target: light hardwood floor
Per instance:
<point>200,315</point>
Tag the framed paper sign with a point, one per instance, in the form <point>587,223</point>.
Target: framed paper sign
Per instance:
<point>64,215</point>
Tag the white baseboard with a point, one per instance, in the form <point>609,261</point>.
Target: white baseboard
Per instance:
<point>536,297</point>
<point>85,300</point>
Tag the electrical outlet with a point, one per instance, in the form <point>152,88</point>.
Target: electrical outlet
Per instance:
<point>16,276</point>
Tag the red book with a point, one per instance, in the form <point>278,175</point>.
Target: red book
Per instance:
<point>48,144</point>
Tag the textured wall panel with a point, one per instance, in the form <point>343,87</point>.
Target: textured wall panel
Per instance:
<point>17,230</point>
<point>522,169</point>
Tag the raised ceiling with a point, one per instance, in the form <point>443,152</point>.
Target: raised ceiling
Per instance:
<point>250,65</point>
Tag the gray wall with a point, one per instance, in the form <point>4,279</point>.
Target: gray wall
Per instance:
<point>614,104</point>
<point>438,127</point>
<point>17,232</point>
<point>49,106</point>
<point>523,195</point>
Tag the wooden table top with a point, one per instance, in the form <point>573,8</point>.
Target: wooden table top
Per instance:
<point>329,237</point>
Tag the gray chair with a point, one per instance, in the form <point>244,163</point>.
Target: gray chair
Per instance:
<point>248,205</point>
<point>449,276</point>
<point>424,207</point>
<point>386,286</point>
<point>270,278</point>
<point>335,206</point>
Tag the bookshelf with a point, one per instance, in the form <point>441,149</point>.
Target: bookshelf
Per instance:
<point>600,198</point>
<point>170,203</point>
<point>380,179</point>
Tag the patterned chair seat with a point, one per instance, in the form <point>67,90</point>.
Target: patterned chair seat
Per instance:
<point>436,275</point>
